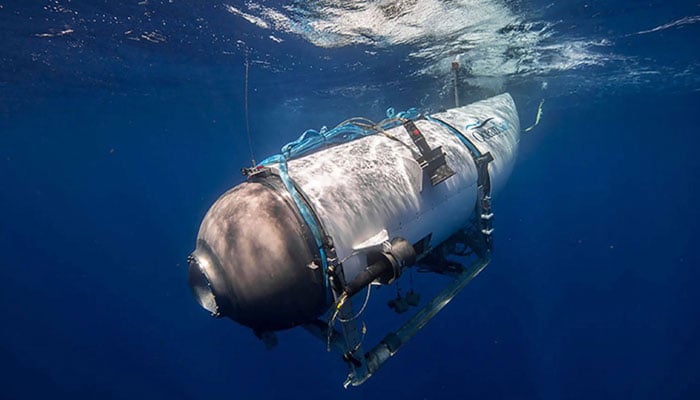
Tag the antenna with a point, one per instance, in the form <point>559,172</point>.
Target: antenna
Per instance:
<point>245,102</point>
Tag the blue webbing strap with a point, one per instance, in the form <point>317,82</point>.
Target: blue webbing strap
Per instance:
<point>306,213</point>
<point>470,146</point>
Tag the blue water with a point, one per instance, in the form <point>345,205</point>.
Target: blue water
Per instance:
<point>121,122</point>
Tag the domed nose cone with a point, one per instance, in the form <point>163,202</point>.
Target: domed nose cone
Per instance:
<point>254,260</point>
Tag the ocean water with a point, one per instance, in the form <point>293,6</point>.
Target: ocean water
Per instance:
<point>121,122</point>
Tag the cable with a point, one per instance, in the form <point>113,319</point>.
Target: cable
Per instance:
<point>331,322</point>
<point>362,309</point>
<point>245,103</point>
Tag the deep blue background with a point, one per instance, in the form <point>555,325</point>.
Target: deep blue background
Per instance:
<point>111,155</point>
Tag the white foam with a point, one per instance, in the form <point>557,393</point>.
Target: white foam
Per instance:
<point>248,17</point>
<point>488,38</point>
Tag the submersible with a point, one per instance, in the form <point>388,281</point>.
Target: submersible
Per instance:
<point>354,206</point>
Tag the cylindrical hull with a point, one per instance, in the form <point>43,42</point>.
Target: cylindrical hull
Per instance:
<point>259,255</point>
<point>363,187</point>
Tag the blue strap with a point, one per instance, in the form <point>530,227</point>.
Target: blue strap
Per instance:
<point>303,208</point>
<point>472,149</point>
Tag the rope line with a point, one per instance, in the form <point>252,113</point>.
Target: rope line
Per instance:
<point>245,105</point>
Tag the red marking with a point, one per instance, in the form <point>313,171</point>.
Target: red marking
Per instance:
<point>416,132</point>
